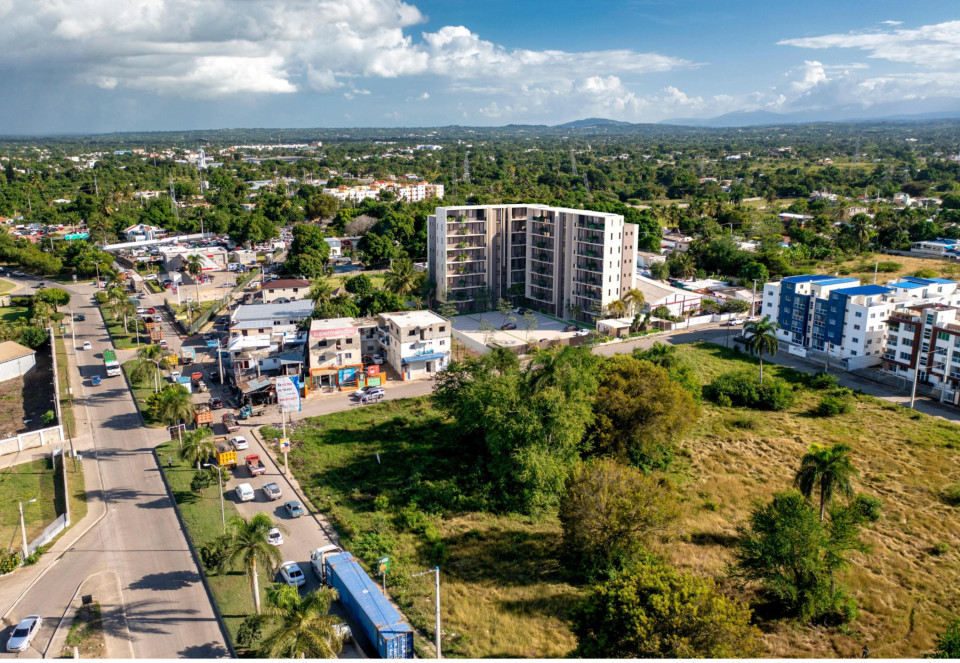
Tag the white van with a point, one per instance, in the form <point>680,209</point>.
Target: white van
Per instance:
<point>245,492</point>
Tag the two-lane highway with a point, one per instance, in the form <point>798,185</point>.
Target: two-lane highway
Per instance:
<point>166,612</point>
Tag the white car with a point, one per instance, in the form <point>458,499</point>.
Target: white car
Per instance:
<point>292,575</point>
<point>582,332</point>
<point>24,633</point>
<point>87,345</point>
<point>733,322</point>
<point>162,343</point>
<point>174,376</point>
<point>245,492</point>
<point>239,443</point>
<point>275,537</point>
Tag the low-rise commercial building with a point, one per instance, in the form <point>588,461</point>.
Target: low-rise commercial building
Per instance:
<point>416,344</point>
<point>284,290</point>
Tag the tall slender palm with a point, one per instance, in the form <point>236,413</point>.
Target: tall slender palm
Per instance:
<point>762,338</point>
<point>305,626</point>
<point>195,269</point>
<point>400,280</point>
<point>687,267</point>
<point>247,544</point>
<point>197,446</point>
<point>861,230</point>
<point>635,299</point>
<point>320,292</point>
<point>826,468</point>
<point>152,353</point>
<point>175,405</point>
<point>616,308</point>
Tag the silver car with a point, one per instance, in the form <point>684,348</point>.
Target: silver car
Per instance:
<point>23,635</point>
<point>271,491</point>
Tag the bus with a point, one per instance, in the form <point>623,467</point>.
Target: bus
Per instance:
<point>110,363</point>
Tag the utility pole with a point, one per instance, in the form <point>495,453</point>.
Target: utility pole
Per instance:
<point>220,362</point>
<point>73,331</point>
<point>916,378</point>
<point>435,570</point>
<point>876,267</point>
<point>753,305</point>
<point>23,528</point>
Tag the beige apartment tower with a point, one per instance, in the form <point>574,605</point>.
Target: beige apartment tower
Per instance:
<point>567,262</point>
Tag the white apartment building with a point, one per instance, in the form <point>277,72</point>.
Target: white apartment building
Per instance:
<point>416,344</point>
<point>411,192</point>
<point>569,262</point>
<point>844,319</point>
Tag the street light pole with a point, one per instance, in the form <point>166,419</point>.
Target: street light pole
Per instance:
<point>436,571</point>
<point>73,331</point>
<point>223,517</point>
<point>916,377</point>
<point>23,527</point>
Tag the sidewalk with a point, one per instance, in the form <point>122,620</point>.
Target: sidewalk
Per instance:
<point>14,586</point>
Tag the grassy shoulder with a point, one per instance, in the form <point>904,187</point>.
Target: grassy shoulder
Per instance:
<point>63,376</point>
<point>394,479</point>
<point>502,590</point>
<point>141,390</point>
<point>38,480</point>
<point>86,634</point>
<point>201,515</point>
<point>7,286</point>
<point>123,339</point>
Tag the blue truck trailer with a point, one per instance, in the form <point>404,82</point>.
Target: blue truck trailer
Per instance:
<point>362,599</point>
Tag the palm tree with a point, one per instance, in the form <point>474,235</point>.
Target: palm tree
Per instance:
<point>175,405</point>
<point>634,297</point>
<point>830,469</point>
<point>861,230</point>
<point>41,311</point>
<point>247,544</point>
<point>320,292</point>
<point>306,627</point>
<point>195,269</point>
<point>197,446</point>
<point>400,279</point>
<point>762,338</point>
<point>616,308</point>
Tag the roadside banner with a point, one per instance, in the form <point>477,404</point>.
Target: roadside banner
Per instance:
<point>288,396</point>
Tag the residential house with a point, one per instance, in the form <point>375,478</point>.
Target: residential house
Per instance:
<point>284,290</point>
<point>416,344</point>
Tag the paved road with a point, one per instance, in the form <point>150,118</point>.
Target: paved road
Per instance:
<point>167,613</point>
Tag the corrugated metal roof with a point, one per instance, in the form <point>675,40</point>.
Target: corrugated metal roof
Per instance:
<point>298,308</point>
<point>10,350</point>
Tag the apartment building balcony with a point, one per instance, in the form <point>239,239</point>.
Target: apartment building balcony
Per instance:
<point>541,257</point>
<point>594,267</point>
<point>588,237</point>
<point>890,356</point>
<point>590,225</point>
<point>465,283</point>
<point>544,219</point>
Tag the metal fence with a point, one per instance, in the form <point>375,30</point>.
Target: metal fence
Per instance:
<point>49,533</point>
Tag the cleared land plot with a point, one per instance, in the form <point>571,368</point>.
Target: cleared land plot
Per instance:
<point>503,590</point>
<point>546,328</point>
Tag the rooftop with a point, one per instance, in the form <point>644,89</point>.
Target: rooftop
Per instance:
<point>300,308</point>
<point>286,283</point>
<point>864,290</point>
<point>413,318</point>
<point>807,278</point>
<point>10,350</point>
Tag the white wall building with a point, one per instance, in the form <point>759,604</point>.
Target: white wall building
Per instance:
<point>416,344</point>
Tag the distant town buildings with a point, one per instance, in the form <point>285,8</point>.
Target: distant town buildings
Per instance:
<point>410,192</point>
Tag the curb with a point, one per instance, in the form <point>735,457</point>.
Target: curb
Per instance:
<point>71,606</point>
<point>196,560</point>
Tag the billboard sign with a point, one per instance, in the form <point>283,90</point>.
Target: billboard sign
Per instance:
<point>288,396</point>
<point>333,333</point>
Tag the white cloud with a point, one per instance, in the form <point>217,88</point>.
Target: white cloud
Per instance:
<point>221,47</point>
<point>891,22</point>
<point>933,46</point>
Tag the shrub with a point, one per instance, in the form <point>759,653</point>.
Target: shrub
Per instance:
<point>833,405</point>
<point>9,562</point>
<point>823,381</point>
<point>951,494</point>
<point>212,552</point>
<point>744,421</point>
<point>940,548</point>
<point>888,266</point>
<point>925,274</point>
<point>948,642</point>
<point>47,417</point>
<point>744,388</point>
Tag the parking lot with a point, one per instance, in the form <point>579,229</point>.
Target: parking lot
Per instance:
<point>545,330</point>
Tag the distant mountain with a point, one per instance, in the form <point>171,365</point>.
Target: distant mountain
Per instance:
<point>592,122</point>
<point>934,109</point>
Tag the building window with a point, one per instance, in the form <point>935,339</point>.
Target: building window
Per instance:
<point>857,327</point>
<point>858,314</point>
<point>855,340</point>
<point>443,328</point>
<point>905,356</point>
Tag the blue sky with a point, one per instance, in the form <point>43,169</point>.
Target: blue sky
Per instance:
<point>116,65</point>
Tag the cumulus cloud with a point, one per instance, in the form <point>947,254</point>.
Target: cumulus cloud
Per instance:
<point>221,47</point>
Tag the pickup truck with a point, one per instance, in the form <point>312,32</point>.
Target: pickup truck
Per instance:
<point>230,422</point>
<point>255,466</point>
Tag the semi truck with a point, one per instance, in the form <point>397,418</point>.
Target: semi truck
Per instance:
<point>111,364</point>
<point>383,625</point>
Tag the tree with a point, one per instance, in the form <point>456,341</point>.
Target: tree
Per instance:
<point>617,308</point>
<point>635,299</point>
<point>447,310</point>
<point>948,642</point>
<point>793,555</point>
<point>305,627</point>
<point>359,285</point>
<point>655,611</point>
<point>529,322</point>
<point>609,512</point>
<point>56,297</point>
<point>197,446</point>
<point>321,206</point>
<point>761,338</point>
<point>247,545</point>
<point>640,413</point>
<point>174,405</point>
<point>195,269</point>
<point>755,270</point>
<point>400,279</point>
<point>826,468</point>
<point>381,301</point>
<point>660,271</point>
<point>505,309</point>
<point>320,292</point>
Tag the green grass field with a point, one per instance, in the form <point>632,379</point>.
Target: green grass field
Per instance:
<point>123,339</point>
<point>503,592</point>
<point>141,391</point>
<point>63,375</point>
<point>11,314</point>
<point>36,480</point>
<point>7,286</point>
<point>376,278</point>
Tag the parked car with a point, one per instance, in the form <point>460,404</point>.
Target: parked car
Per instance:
<point>292,575</point>
<point>152,311</point>
<point>733,322</point>
<point>508,326</point>
<point>174,376</point>
<point>95,380</point>
<point>79,317</point>
<point>163,344</point>
<point>87,345</point>
<point>521,310</point>
<point>583,332</point>
<point>216,403</point>
<point>239,443</point>
<point>368,392</point>
<point>141,311</point>
<point>571,328</point>
<point>294,510</point>
<point>271,491</point>
<point>24,633</point>
<point>245,492</point>
<point>275,537</point>
<point>214,376</point>
<point>373,359</point>
<point>41,285</point>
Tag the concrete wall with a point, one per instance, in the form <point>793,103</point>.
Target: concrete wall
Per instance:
<point>31,439</point>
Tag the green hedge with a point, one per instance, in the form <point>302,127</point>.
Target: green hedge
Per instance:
<point>744,388</point>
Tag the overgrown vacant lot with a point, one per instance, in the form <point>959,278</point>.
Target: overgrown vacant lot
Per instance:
<point>503,591</point>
